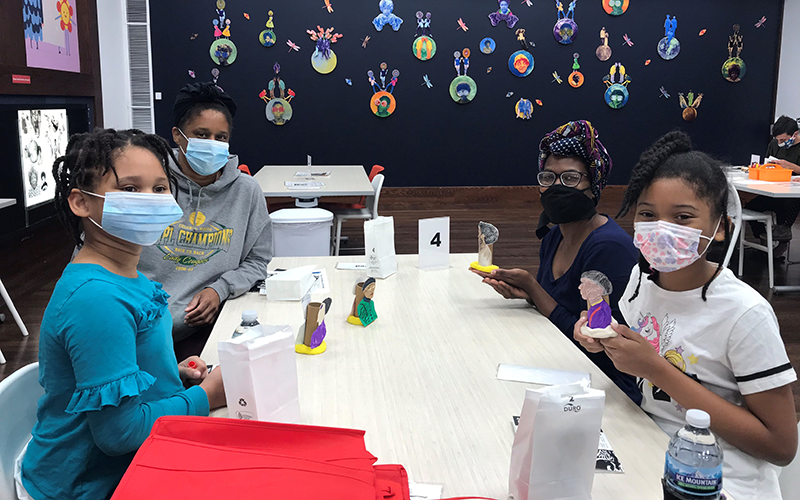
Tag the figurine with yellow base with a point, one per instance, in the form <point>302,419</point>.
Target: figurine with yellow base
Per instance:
<point>363,311</point>
<point>487,236</point>
<point>313,331</point>
<point>595,288</point>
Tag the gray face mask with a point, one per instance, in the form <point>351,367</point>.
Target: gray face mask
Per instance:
<point>138,218</point>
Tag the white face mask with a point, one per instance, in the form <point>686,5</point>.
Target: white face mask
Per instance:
<point>669,247</point>
<point>138,218</point>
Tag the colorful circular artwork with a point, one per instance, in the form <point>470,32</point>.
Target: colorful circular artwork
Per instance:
<point>671,51</point>
<point>424,48</point>
<point>321,64</point>
<point>689,114</point>
<point>603,52</point>
<point>223,51</point>
<point>382,104</point>
<point>575,79</point>
<point>463,89</point>
<point>734,69</point>
<point>267,38</point>
<point>279,111</point>
<point>521,63</point>
<point>616,96</point>
<point>220,4</point>
<point>488,45</point>
<point>524,109</point>
<point>565,31</point>
<point>615,7</point>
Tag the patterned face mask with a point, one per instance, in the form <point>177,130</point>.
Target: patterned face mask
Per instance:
<point>669,247</point>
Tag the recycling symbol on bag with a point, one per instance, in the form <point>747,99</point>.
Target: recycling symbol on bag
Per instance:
<point>242,402</point>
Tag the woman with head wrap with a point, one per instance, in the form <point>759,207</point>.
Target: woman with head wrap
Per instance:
<point>573,170</point>
<point>223,243</point>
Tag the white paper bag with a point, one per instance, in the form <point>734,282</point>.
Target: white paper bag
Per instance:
<point>555,448</point>
<point>260,375</point>
<point>379,242</point>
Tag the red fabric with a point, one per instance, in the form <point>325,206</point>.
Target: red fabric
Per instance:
<point>245,169</point>
<point>201,457</point>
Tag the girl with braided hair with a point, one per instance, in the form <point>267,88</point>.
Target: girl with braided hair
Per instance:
<point>106,359</point>
<point>723,335</point>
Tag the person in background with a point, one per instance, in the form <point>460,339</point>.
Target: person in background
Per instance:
<point>573,170</point>
<point>717,345</point>
<point>785,146</point>
<point>221,246</point>
<point>106,361</point>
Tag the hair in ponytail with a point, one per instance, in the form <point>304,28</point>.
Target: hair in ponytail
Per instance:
<point>89,157</point>
<point>672,157</point>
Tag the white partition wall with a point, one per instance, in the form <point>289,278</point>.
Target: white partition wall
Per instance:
<point>788,102</point>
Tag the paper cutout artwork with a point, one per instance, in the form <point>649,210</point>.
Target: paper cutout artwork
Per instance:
<point>595,289</point>
<point>647,62</point>
<point>194,35</point>
<point>223,50</point>
<point>323,59</point>
<point>669,47</point>
<point>521,38</point>
<point>292,46</point>
<point>539,102</point>
<point>503,14</point>
<point>734,68</point>
<point>615,7</point>
<point>191,73</point>
<point>328,6</point>
<point>617,81</point>
<point>689,104</point>
<point>488,45</point>
<point>363,311</point>
<point>761,21</point>
<point>575,78</point>
<point>383,102</point>
<point>524,109</point>
<point>365,42</point>
<point>702,32</point>
<point>311,339</point>
<point>627,41</point>
<point>529,3</point>
<point>664,93</point>
<point>463,89</point>
<point>556,78</point>
<point>603,52</point>
<point>278,97</point>
<point>521,63</point>
<point>509,95</point>
<point>348,81</point>
<point>566,29</point>
<point>489,69</point>
<point>427,81</point>
<point>462,25</point>
<point>267,37</point>
<point>387,16</point>
<point>215,75</point>
<point>487,237</point>
<point>424,47</point>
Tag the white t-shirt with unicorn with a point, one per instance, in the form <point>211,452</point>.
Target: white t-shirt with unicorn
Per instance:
<point>731,344</point>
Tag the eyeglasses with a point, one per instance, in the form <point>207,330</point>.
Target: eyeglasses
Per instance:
<point>570,178</point>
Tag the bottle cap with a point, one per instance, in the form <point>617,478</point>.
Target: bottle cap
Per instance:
<point>249,315</point>
<point>698,418</point>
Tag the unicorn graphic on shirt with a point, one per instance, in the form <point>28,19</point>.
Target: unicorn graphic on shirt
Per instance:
<point>657,334</point>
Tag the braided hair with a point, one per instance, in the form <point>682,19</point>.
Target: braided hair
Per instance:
<point>90,156</point>
<point>672,157</point>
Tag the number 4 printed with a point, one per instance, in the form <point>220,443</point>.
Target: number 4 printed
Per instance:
<point>437,240</point>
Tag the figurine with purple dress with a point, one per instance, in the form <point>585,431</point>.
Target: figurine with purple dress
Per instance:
<point>312,334</point>
<point>503,14</point>
<point>595,288</point>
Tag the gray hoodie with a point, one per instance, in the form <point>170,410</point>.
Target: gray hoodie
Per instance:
<point>223,241</point>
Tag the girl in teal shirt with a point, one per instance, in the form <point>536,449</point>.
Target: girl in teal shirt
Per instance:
<point>106,360</point>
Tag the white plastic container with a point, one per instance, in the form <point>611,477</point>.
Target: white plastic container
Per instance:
<point>302,232</point>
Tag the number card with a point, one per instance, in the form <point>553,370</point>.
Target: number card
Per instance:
<point>434,243</point>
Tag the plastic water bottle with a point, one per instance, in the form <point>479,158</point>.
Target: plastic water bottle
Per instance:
<point>249,323</point>
<point>693,468</point>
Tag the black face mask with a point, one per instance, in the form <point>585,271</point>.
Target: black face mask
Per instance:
<point>564,204</point>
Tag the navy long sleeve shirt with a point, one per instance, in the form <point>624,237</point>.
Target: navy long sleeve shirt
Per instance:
<point>608,249</point>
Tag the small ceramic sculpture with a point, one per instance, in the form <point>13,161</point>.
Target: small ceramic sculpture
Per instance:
<point>313,331</point>
<point>487,236</point>
<point>363,311</point>
<point>595,288</point>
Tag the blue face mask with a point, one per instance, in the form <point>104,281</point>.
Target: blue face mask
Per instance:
<point>205,156</point>
<point>787,143</point>
<point>138,218</point>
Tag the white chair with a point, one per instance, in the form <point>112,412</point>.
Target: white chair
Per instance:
<point>766,219</point>
<point>369,213</point>
<point>735,213</point>
<point>790,478</point>
<point>19,396</point>
<point>14,313</point>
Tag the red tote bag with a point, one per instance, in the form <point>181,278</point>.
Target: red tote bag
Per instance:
<point>201,457</point>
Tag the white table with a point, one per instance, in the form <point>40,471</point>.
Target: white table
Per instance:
<point>421,379</point>
<point>7,202</point>
<point>791,189</point>
<point>344,180</point>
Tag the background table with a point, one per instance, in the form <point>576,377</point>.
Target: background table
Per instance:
<point>344,180</point>
<point>7,202</point>
<point>421,379</point>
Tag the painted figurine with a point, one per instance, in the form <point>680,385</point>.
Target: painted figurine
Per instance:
<point>313,332</point>
<point>503,14</point>
<point>487,237</point>
<point>387,16</point>
<point>595,288</point>
<point>363,311</point>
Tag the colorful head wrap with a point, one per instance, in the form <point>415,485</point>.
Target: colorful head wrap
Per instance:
<point>579,138</point>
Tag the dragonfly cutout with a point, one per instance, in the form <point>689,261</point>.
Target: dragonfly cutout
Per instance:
<point>365,42</point>
<point>462,25</point>
<point>527,2</point>
<point>328,6</point>
<point>664,93</point>
<point>292,46</point>
<point>556,77</point>
<point>761,21</point>
<point>427,81</point>
<point>627,41</point>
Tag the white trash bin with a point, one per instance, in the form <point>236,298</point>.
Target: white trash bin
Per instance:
<point>302,232</point>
